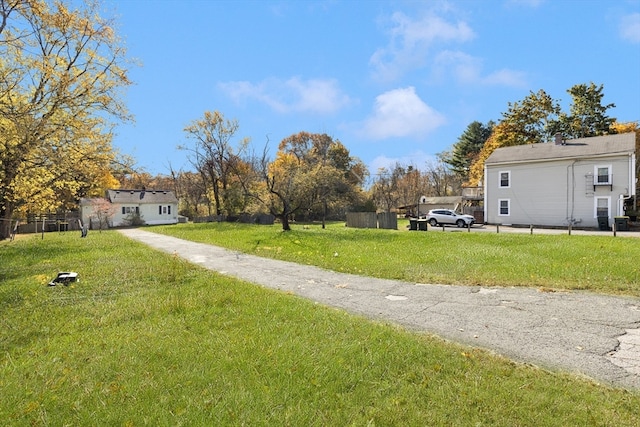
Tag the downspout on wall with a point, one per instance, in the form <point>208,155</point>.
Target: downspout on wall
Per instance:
<point>484,195</point>
<point>632,180</point>
<point>631,188</point>
<point>571,193</point>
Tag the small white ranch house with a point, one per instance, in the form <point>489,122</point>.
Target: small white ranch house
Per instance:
<point>153,207</point>
<point>570,182</point>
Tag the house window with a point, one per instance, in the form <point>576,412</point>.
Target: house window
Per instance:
<point>602,206</point>
<point>504,207</point>
<point>164,209</point>
<point>123,210</point>
<point>505,179</point>
<point>603,175</point>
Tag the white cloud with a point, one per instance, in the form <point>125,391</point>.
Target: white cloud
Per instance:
<point>401,113</point>
<point>630,27</point>
<point>321,96</point>
<point>467,69</point>
<point>411,40</point>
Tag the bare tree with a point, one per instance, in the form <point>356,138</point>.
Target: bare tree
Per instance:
<point>214,157</point>
<point>441,179</point>
<point>102,210</point>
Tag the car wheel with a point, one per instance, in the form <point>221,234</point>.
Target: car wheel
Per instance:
<point>433,222</point>
<point>460,223</point>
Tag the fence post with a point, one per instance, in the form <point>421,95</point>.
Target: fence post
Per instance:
<point>497,228</point>
<point>614,228</point>
<point>531,229</point>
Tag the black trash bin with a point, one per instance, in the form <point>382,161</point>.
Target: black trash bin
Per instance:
<point>422,225</point>
<point>413,224</point>
<point>603,223</point>
<point>622,223</point>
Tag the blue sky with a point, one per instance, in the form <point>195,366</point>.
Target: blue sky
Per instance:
<point>394,81</point>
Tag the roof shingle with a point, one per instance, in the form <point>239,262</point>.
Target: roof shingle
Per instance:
<point>624,143</point>
<point>141,196</point>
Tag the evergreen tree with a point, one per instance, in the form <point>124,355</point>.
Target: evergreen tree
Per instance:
<point>467,148</point>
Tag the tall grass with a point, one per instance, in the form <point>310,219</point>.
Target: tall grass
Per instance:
<point>147,339</point>
<point>577,262</point>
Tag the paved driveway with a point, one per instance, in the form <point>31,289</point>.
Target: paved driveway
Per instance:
<point>583,333</point>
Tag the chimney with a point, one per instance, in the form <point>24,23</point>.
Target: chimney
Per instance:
<point>559,140</point>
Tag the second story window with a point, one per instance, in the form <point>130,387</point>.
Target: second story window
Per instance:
<point>603,175</point>
<point>505,179</point>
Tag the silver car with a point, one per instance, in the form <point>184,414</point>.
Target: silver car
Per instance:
<point>448,216</point>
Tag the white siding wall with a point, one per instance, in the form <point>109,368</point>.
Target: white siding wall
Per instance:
<point>550,193</point>
<point>149,214</point>
<point>119,218</point>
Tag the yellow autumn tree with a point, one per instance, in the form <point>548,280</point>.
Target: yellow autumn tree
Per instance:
<point>311,173</point>
<point>619,127</point>
<point>287,186</point>
<point>62,73</point>
<point>500,137</point>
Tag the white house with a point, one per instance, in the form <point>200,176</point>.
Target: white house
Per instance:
<point>153,207</point>
<point>569,182</point>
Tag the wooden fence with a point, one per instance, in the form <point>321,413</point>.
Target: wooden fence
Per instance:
<point>386,220</point>
<point>50,222</point>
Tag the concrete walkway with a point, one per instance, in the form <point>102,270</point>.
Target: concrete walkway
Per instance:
<point>586,334</point>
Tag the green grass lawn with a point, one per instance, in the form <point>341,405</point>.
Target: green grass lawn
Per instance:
<point>596,263</point>
<point>147,339</point>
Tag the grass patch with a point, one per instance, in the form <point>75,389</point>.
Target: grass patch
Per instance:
<point>595,263</point>
<point>147,339</point>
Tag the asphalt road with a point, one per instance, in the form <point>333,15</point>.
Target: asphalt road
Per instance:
<point>583,333</point>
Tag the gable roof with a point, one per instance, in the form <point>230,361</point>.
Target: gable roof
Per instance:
<point>623,143</point>
<point>141,196</point>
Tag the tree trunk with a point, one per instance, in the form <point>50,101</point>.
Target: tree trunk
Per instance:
<point>324,213</point>
<point>5,224</point>
<point>216,197</point>
<point>285,222</point>
<point>286,211</point>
